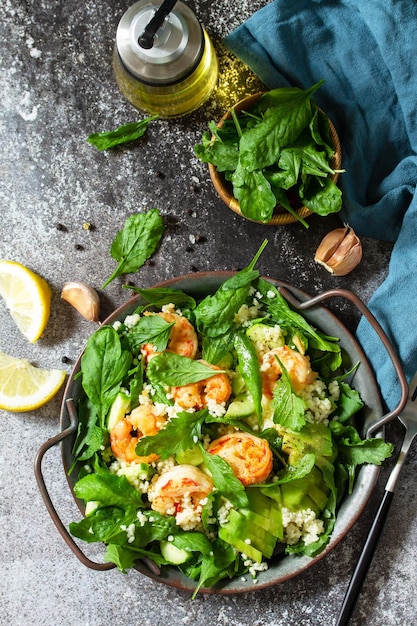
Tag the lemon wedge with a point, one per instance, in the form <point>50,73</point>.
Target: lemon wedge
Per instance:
<point>24,387</point>
<point>28,297</point>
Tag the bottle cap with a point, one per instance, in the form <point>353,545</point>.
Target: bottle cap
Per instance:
<point>176,47</point>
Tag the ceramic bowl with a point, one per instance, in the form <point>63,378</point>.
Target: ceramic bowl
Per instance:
<point>199,285</point>
<point>281,215</point>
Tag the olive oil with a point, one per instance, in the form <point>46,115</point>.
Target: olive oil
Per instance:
<point>177,74</point>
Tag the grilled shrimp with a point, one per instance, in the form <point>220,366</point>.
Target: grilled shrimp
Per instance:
<point>249,457</point>
<point>198,395</point>
<point>143,421</point>
<point>297,365</point>
<point>182,339</point>
<point>181,487</point>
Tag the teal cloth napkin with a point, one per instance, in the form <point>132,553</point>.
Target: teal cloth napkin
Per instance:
<point>366,51</point>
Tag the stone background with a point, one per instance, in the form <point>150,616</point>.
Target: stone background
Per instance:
<point>57,87</point>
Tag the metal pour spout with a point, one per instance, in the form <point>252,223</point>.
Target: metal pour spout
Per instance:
<point>146,40</point>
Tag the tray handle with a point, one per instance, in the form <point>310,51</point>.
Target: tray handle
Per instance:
<point>50,443</point>
<point>348,295</point>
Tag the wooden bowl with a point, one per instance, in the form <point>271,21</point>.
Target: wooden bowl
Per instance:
<point>281,215</point>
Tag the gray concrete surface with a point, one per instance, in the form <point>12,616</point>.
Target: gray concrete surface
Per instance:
<point>56,87</point>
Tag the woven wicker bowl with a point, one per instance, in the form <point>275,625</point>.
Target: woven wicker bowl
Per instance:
<point>280,216</point>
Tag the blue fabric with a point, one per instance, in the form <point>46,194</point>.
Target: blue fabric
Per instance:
<point>366,51</point>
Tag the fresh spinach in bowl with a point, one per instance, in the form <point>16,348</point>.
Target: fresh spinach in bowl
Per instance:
<point>279,152</point>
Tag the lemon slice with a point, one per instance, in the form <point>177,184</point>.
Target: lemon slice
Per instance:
<point>24,387</point>
<point>27,296</point>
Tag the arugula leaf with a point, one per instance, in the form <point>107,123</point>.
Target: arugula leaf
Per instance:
<point>136,242</point>
<point>173,369</point>
<point>102,525</point>
<point>179,434</point>
<point>354,451</point>
<point>151,329</point>
<point>282,314</point>
<point>122,134</point>
<point>217,565</point>
<point>349,403</point>
<point>225,480</point>
<point>98,437</point>
<point>250,370</point>
<point>292,472</point>
<point>289,409</point>
<point>104,365</point>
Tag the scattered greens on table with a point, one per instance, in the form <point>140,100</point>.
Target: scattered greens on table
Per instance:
<point>123,134</point>
<point>240,526</point>
<point>277,153</point>
<point>136,242</point>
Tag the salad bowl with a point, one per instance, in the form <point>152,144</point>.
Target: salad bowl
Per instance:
<point>371,423</point>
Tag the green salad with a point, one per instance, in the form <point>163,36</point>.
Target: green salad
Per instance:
<point>215,436</point>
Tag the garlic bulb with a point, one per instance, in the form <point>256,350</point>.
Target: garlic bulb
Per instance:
<point>83,298</point>
<point>340,251</point>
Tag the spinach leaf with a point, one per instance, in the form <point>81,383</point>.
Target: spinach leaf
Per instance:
<point>125,556</point>
<point>109,489</point>
<point>136,242</point>
<point>250,370</point>
<point>173,369</point>
<point>291,472</point>
<point>215,348</point>
<point>260,146</point>
<point>225,480</point>
<point>252,189</point>
<point>104,365</point>
<point>193,541</point>
<point>122,134</point>
<point>158,296</point>
<point>289,409</point>
<point>215,314</point>
<point>322,197</point>
<point>224,155</point>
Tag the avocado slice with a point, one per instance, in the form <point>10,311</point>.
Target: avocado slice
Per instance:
<point>229,537</point>
<point>249,533</point>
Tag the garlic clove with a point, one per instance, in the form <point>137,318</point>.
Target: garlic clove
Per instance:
<point>83,298</point>
<point>340,251</point>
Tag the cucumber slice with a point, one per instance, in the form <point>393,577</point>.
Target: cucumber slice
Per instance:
<point>265,337</point>
<point>189,457</point>
<point>172,554</point>
<point>241,406</point>
<point>119,408</point>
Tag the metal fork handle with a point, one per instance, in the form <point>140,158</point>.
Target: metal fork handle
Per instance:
<point>374,533</point>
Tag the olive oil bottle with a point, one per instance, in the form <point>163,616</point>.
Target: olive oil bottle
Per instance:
<point>164,61</point>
